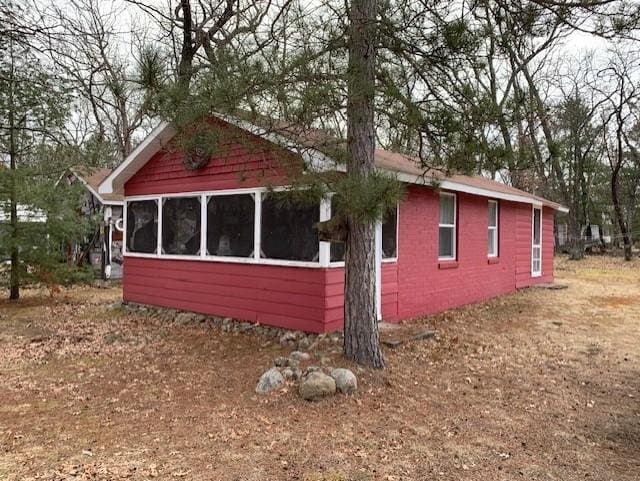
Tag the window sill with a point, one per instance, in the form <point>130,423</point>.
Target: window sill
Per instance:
<point>448,264</point>
<point>493,260</point>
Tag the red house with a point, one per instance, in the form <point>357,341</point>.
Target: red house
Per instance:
<point>213,240</point>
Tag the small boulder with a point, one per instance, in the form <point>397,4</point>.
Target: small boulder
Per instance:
<point>316,385</point>
<point>299,356</point>
<point>346,381</point>
<point>289,337</point>
<point>270,380</point>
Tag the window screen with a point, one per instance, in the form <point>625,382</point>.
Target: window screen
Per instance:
<point>389,237</point>
<point>447,227</point>
<point>288,232</point>
<point>142,226</point>
<point>181,226</point>
<point>230,225</point>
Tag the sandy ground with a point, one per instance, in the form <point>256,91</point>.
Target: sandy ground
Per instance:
<point>539,385</point>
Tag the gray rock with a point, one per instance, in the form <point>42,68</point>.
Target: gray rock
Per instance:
<point>299,356</point>
<point>316,385</point>
<point>346,381</point>
<point>289,337</point>
<point>270,380</point>
<point>311,369</point>
<point>188,318</point>
<point>281,362</point>
<point>304,342</point>
<point>291,374</point>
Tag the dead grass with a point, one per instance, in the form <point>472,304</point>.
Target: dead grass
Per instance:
<point>539,385</point>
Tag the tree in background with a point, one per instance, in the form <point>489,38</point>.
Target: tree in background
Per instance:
<point>38,216</point>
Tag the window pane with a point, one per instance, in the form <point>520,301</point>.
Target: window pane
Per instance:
<point>389,236</point>
<point>493,214</point>
<point>491,243</point>
<point>230,225</point>
<point>447,209</point>
<point>288,232</point>
<point>181,226</point>
<point>536,226</point>
<point>337,251</point>
<point>446,242</point>
<point>389,240</point>
<point>142,226</point>
<point>337,248</point>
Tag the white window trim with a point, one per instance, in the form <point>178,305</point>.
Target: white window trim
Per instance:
<point>257,192</point>
<point>495,228</point>
<point>202,229</point>
<point>454,225</point>
<point>533,220</point>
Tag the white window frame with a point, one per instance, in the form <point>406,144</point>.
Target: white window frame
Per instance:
<point>454,226</point>
<point>257,216</point>
<point>323,256</point>
<point>160,225</point>
<point>125,206</point>
<point>535,273</point>
<point>495,229</point>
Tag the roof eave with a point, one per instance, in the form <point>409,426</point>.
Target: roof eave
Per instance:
<point>460,187</point>
<point>114,183</point>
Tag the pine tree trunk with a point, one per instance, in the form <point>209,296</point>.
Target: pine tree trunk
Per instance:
<point>361,339</point>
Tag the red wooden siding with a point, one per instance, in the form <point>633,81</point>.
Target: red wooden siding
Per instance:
<point>241,161</point>
<point>290,297</point>
<point>334,292</point>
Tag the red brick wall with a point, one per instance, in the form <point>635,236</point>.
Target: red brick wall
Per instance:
<point>425,285</point>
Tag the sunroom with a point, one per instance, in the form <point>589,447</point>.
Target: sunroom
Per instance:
<point>252,226</point>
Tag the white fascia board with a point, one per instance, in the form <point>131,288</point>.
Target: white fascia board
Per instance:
<point>468,189</point>
<point>313,158</point>
<point>114,183</point>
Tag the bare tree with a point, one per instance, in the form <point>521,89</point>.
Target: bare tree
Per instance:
<point>621,117</point>
<point>114,72</point>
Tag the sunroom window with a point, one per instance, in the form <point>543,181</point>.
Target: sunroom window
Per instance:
<point>142,226</point>
<point>288,231</point>
<point>230,225</point>
<point>181,226</point>
<point>447,227</point>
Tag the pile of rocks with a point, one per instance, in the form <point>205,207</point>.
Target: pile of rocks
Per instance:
<point>313,382</point>
<point>291,339</point>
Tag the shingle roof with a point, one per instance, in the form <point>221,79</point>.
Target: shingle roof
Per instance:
<point>396,162</point>
<point>93,178</point>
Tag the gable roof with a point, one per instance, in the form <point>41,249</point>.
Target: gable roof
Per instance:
<point>406,168</point>
<point>92,179</point>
